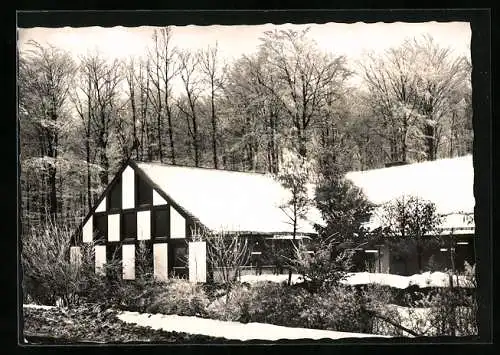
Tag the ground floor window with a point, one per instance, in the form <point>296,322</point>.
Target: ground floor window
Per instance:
<point>178,258</point>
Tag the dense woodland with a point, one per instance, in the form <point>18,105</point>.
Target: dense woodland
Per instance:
<point>79,118</point>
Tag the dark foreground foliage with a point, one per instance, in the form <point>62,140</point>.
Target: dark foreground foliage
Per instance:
<point>95,324</point>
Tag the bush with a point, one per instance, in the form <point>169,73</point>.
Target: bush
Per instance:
<point>438,311</point>
<point>47,272</point>
<point>338,308</point>
<point>277,304</point>
<point>232,306</point>
<point>181,297</point>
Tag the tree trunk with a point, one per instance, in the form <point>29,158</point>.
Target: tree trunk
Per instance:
<point>89,182</point>
<point>134,123</point>
<point>214,128</point>
<point>53,192</point>
<point>293,239</point>
<point>419,258</point>
<point>170,130</point>
<point>430,142</point>
<point>195,142</point>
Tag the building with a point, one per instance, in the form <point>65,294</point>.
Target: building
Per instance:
<point>446,182</point>
<point>167,206</point>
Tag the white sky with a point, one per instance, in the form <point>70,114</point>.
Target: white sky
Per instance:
<point>339,38</point>
<point>351,40</point>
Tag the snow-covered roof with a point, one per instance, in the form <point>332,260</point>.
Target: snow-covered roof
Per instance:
<point>446,182</point>
<point>250,202</point>
<point>228,200</point>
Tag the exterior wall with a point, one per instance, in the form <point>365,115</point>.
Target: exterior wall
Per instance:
<point>118,232</point>
<point>157,199</point>
<point>99,257</point>
<point>160,263</point>
<point>75,256</point>
<point>144,225</point>
<point>128,188</point>
<point>114,227</point>
<point>88,231</point>
<point>102,206</point>
<point>177,224</point>
<point>433,259</point>
<point>128,255</point>
<point>197,262</point>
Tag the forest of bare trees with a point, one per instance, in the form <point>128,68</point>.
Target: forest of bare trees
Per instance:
<point>80,118</point>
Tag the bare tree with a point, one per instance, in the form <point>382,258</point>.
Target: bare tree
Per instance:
<point>45,78</point>
<point>226,254</point>
<point>442,85</point>
<point>130,77</point>
<point>410,219</point>
<point>411,88</point>
<point>190,80</point>
<point>294,177</point>
<point>306,77</point>
<point>105,78</point>
<point>392,88</point>
<point>210,67</point>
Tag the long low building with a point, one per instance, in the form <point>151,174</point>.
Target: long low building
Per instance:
<point>167,207</point>
<point>449,184</point>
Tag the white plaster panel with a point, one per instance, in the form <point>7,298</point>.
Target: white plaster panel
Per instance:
<point>88,231</point>
<point>197,262</point>
<point>114,227</point>
<point>100,257</point>
<point>75,256</point>
<point>102,206</point>
<point>144,225</point>
<point>160,261</point>
<point>177,225</point>
<point>128,261</point>
<point>157,199</point>
<point>128,188</point>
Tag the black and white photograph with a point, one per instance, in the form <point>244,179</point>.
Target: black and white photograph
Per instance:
<point>218,184</point>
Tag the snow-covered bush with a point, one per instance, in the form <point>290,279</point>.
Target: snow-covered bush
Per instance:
<point>47,272</point>
<point>232,306</point>
<point>181,297</point>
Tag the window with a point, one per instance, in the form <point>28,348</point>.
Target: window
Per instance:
<point>115,196</point>
<point>129,225</point>
<point>161,222</point>
<point>144,258</point>
<point>177,258</point>
<point>113,258</point>
<point>100,226</point>
<point>143,192</point>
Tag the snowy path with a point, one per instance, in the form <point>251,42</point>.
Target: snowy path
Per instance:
<point>231,330</point>
<point>427,279</point>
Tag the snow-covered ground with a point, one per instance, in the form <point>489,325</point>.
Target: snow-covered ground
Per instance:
<point>39,306</point>
<point>427,279</point>
<point>272,278</point>
<point>231,330</point>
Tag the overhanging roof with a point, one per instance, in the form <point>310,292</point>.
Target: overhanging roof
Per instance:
<point>449,183</point>
<point>446,182</point>
<point>228,200</point>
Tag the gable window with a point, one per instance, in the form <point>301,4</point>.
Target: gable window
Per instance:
<point>100,226</point>
<point>115,196</point>
<point>129,225</point>
<point>143,192</point>
<point>161,222</point>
